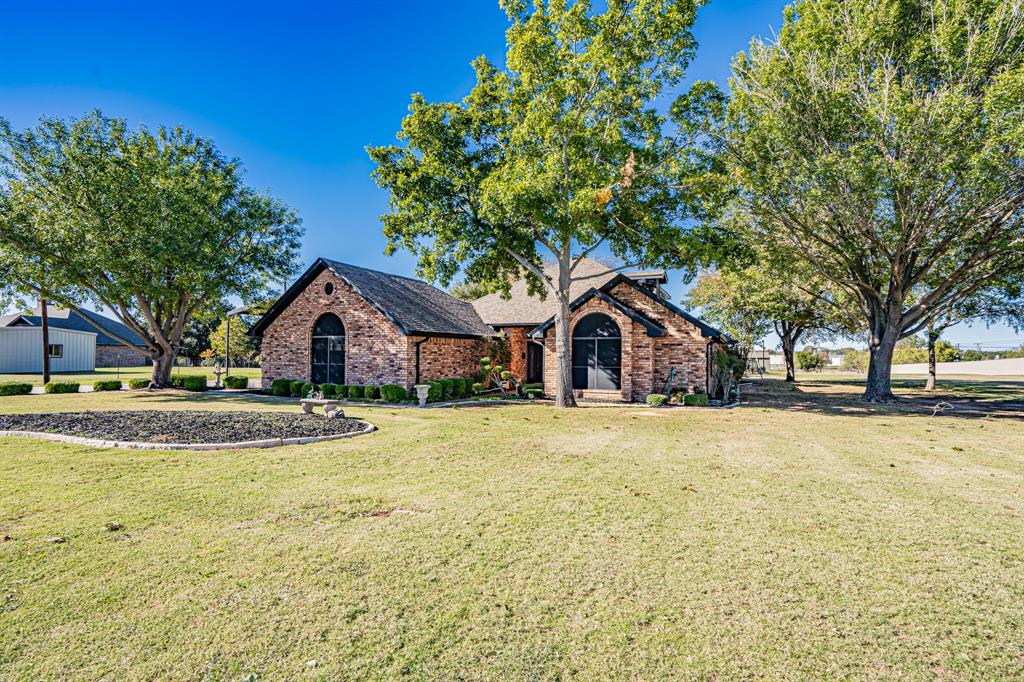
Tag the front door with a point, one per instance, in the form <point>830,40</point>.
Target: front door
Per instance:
<point>534,363</point>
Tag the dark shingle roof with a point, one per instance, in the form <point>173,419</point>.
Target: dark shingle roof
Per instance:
<point>414,306</point>
<point>69,319</point>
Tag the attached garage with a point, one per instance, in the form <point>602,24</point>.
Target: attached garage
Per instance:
<point>70,351</point>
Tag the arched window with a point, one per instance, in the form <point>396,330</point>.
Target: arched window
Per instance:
<point>597,353</point>
<point>328,351</point>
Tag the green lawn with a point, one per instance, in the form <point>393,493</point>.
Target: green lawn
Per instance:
<point>125,373</point>
<point>785,539</point>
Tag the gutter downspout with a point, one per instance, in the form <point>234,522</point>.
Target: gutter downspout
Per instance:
<point>418,344</point>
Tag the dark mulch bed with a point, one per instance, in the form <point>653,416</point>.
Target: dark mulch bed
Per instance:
<point>180,426</point>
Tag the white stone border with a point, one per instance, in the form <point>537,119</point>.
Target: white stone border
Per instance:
<point>243,445</point>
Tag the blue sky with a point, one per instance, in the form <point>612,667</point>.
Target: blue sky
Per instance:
<point>297,90</point>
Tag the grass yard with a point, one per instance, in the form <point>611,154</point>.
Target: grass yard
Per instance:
<point>125,373</point>
<point>799,536</point>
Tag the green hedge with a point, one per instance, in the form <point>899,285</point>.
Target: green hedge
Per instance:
<point>61,387</point>
<point>478,387</point>
<point>136,384</point>
<point>15,388</point>
<point>194,383</point>
<point>178,381</point>
<point>236,382</point>
<point>295,389</point>
<point>534,393</point>
<point>308,388</point>
<point>393,393</point>
<point>107,385</point>
<point>329,390</point>
<point>656,399</point>
<point>372,392</point>
<point>696,400</point>
<point>355,392</point>
<point>281,387</point>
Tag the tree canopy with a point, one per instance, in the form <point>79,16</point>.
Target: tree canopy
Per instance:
<point>152,226</point>
<point>567,150</point>
<point>882,140</point>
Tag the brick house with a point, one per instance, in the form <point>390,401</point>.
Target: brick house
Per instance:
<point>110,352</point>
<point>340,323</point>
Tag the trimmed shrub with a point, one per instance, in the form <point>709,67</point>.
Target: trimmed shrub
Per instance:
<point>506,375</point>
<point>447,388</point>
<point>195,383</point>
<point>696,400</point>
<point>15,388</point>
<point>281,387</point>
<point>355,392</point>
<point>533,387</point>
<point>393,393</point>
<point>107,385</point>
<point>477,387</point>
<point>371,392</point>
<point>308,388</point>
<point>295,388</point>
<point>534,393</point>
<point>61,387</point>
<point>458,388</point>
<point>178,381</point>
<point>236,382</point>
<point>656,399</point>
<point>329,390</point>
<point>137,383</point>
<point>436,392</point>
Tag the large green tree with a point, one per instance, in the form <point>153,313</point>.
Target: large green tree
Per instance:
<point>576,145</point>
<point>152,226</point>
<point>883,141</point>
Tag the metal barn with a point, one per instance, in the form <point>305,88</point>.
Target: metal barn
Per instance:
<point>70,350</point>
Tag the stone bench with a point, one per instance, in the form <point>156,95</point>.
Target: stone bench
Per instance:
<point>332,408</point>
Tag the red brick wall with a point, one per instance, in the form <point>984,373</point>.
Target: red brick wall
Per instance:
<point>646,360</point>
<point>376,352</point>
<point>444,358</point>
<point>517,341</point>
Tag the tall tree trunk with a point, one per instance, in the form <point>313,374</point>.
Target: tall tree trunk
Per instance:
<point>879,383</point>
<point>45,319</point>
<point>932,338</point>
<point>162,366</point>
<point>563,344</point>
<point>563,356</point>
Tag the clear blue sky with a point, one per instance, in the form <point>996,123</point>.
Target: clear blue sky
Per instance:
<point>295,90</point>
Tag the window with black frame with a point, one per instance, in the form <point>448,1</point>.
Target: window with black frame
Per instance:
<point>328,350</point>
<point>597,354</point>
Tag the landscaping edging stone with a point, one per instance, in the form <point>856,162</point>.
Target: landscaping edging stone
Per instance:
<point>242,445</point>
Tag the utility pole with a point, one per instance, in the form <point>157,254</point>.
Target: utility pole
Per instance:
<point>46,341</point>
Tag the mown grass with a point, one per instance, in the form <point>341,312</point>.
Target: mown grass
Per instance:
<point>124,373</point>
<point>522,543</point>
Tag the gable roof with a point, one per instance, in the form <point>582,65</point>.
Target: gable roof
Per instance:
<point>413,306</point>
<point>653,327</point>
<point>62,318</point>
<point>521,309</point>
<point>706,330</point>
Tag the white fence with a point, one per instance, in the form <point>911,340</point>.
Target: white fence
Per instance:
<point>1010,367</point>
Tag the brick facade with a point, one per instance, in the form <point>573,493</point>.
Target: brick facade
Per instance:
<point>119,356</point>
<point>376,352</point>
<point>517,343</point>
<point>646,360</point>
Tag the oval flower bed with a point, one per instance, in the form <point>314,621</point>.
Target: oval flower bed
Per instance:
<point>187,428</point>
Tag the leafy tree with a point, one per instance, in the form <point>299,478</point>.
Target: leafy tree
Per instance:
<point>196,336</point>
<point>242,347</point>
<point>747,304</point>
<point>469,290</point>
<point>567,150</point>
<point>155,227</point>
<point>808,359</point>
<point>882,140</point>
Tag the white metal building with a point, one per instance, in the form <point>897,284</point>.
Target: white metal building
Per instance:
<point>70,350</point>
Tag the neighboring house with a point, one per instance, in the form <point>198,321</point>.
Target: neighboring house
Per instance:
<point>70,350</point>
<point>341,323</point>
<point>109,351</point>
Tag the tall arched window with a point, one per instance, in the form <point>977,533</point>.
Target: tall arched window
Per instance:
<point>597,354</point>
<point>328,351</point>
